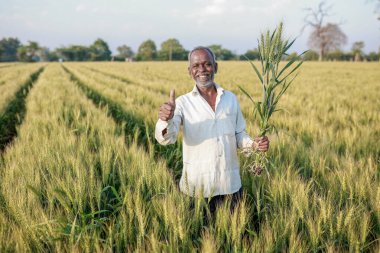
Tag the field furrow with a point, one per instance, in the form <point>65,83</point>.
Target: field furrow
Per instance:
<point>11,81</point>
<point>13,113</point>
<point>154,89</point>
<point>157,76</point>
<point>133,98</point>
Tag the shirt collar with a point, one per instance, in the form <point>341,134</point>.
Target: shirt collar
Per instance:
<point>219,90</point>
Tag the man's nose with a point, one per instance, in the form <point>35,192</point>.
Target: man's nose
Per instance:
<point>202,67</point>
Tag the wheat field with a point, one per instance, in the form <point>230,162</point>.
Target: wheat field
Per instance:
<point>81,172</point>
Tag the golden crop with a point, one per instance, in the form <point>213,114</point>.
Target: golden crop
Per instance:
<point>84,174</point>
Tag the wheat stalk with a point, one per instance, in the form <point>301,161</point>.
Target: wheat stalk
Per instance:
<point>274,83</point>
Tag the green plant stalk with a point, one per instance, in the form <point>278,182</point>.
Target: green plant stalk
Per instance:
<point>274,82</point>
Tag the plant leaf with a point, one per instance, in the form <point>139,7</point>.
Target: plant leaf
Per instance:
<point>299,64</point>
<point>256,70</point>
<point>246,93</point>
<point>287,66</point>
<point>288,46</point>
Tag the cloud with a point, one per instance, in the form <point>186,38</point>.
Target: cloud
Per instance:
<point>212,8</point>
<point>86,8</point>
<point>80,8</point>
<point>223,8</point>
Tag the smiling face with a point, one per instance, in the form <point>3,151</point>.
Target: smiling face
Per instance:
<point>202,68</point>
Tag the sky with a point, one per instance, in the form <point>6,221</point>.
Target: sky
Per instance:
<point>234,24</point>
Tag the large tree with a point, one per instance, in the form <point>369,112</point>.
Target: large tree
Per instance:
<point>125,52</point>
<point>324,37</point>
<point>171,49</point>
<point>100,51</point>
<point>147,51</point>
<point>252,54</point>
<point>222,53</point>
<point>8,49</point>
<point>310,55</point>
<point>357,50</point>
<point>29,52</point>
<point>74,53</point>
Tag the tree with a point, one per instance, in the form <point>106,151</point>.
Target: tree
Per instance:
<point>251,54</point>
<point>74,53</point>
<point>29,53</point>
<point>100,51</point>
<point>171,49</point>
<point>125,52</point>
<point>147,51</point>
<point>310,55</point>
<point>377,9</point>
<point>8,49</point>
<point>373,56</point>
<point>222,53</point>
<point>44,54</point>
<point>357,50</point>
<point>336,55</point>
<point>292,56</point>
<point>324,37</point>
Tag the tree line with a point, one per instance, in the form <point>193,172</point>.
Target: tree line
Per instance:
<point>11,49</point>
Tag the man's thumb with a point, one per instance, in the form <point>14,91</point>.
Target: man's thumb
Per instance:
<point>172,96</point>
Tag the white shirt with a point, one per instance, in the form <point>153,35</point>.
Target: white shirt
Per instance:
<point>210,142</point>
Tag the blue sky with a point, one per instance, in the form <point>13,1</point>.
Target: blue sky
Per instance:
<point>235,24</point>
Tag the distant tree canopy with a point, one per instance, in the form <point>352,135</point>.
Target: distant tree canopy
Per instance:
<point>357,50</point>
<point>251,55</point>
<point>221,53</point>
<point>29,53</point>
<point>74,53</point>
<point>338,55</point>
<point>125,52</point>
<point>373,56</point>
<point>171,49</point>
<point>8,49</point>
<point>99,51</point>
<point>11,49</point>
<point>310,56</point>
<point>292,56</point>
<point>147,51</point>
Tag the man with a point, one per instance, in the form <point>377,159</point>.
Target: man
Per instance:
<point>213,129</point>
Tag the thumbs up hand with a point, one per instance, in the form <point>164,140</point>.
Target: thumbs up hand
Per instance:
<point>167,109</point>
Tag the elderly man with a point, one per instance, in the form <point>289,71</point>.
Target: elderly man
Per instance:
<point>213,129</point>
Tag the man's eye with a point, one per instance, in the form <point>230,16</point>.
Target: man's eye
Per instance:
<point>208,64</point>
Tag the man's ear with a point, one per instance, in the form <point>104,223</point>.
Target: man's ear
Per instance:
<point>188,70</point>
<point>216,67</point>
